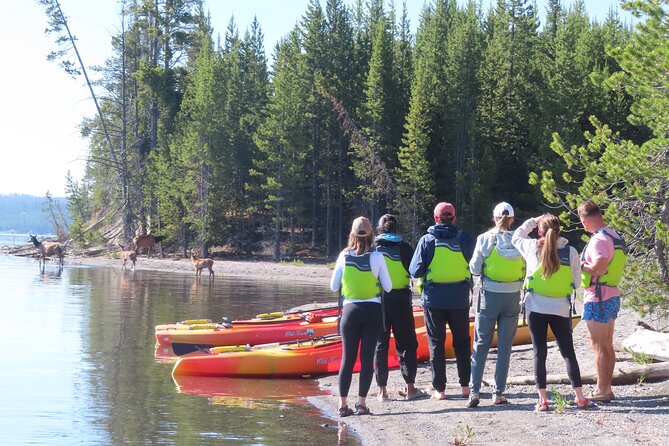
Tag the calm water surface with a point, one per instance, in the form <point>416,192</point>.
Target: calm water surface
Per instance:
<point>79,365</point>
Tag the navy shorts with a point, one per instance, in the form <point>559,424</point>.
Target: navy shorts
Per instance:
<point>602,312</point>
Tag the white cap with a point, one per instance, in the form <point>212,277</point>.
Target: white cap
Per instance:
<point>501,209</point>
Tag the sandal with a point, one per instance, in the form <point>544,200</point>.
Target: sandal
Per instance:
<point>541,407</point>
<point>592,396</point>
<point>585,404</point>
<point>345,411</point>
<point>420,393</point>
<point>499,399</point>
<point>361,409</point>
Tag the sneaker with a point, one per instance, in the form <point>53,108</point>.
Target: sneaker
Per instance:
<point>473,400</point>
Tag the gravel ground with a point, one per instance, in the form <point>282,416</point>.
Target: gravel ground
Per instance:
<point>638,415</point>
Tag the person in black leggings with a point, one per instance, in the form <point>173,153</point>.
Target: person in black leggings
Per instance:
<point>358,272</point>
<point>561,327</point>
<point>553,273</point>
<point>398,312</point>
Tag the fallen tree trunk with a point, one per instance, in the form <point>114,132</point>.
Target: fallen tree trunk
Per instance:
<point>621,375</point>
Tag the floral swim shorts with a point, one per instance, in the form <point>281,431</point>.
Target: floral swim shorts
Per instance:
<point>602,312</point>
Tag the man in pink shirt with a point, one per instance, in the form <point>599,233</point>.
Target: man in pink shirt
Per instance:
<point>601,301</point>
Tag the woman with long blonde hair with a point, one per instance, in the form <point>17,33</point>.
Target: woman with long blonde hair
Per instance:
<point>358,272</point>
<point>553,273</point>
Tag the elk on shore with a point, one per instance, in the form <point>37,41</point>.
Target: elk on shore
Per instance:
<point>48,249</point>
<point>147,242</point>
<point>128,256</point>
<point>200,264</point>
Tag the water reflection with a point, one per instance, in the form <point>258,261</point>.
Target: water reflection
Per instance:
<point>342,433</point>
<point>256,389</point>
<point>95,379</point>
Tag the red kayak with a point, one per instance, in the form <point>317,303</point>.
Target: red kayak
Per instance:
<point>312,324</point>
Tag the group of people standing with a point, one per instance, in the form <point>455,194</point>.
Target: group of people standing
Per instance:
<point>516,271</point>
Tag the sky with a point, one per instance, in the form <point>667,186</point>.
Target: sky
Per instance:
<point>42,106</point>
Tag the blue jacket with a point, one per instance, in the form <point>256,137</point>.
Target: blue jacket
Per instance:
<point>406,251</point>
<point>445,296</point>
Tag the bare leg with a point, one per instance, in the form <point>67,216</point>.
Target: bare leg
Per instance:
<point>601,339</point>
<point>383,393</point>
<point>342,402</point>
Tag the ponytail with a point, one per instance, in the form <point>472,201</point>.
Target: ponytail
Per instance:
<point>504,223</point>
<point>549,226</point>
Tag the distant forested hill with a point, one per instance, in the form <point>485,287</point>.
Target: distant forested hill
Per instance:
<point>26,214</point>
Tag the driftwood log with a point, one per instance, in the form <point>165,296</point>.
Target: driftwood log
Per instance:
<point>621,375</point>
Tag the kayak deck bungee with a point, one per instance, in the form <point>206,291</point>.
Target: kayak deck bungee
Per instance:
<point>260,319</point>
<point>318,356</point>
<point>308,325</point>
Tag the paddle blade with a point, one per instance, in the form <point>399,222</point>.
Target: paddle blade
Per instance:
<point>181,349</point>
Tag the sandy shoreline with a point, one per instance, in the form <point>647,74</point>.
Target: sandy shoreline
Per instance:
<point>637,416</point>
<point>251,269</point>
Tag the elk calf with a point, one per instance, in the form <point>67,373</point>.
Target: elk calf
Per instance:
<point>200,264</point>
<point>128,255</point>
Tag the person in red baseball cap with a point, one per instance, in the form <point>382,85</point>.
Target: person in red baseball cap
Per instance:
<point>441,263</point>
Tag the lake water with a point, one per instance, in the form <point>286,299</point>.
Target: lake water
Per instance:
<point>79,365</point>
<point>9,240</point>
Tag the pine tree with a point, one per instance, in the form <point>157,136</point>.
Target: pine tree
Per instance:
<point>284,145</point>
<point>509,81</point>
<point>630,181</point>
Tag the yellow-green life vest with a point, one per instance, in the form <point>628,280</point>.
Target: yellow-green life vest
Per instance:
<point>448,264</point>
<point>559,284</point>
<point>358,281</point>
<point>616,266</point>
<point>399,276</point>
<point>502,269</point>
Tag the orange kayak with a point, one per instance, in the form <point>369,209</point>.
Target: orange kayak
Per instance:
<point>292,327</point>
<point>295,359</point>
<point>319,356</point>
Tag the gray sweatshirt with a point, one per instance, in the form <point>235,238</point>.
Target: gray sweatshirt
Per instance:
<point>485,243</point>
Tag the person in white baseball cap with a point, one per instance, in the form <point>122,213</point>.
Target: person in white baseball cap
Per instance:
<point>503,209</point>
<point>501,269</point>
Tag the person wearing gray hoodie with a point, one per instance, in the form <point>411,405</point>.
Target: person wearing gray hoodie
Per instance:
<point>501,270</point>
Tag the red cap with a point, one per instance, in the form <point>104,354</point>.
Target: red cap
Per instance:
<point>444,210</point>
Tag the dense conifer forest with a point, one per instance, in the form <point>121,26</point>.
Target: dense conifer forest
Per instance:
<point>212,141</point>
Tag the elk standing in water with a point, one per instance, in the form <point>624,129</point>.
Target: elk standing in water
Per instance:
<point>147,242</point>
<point>128,255</point>
<point>200,264</point>
<point>48,249</point>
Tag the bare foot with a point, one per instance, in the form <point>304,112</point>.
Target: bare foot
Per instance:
<point>438,395</point>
